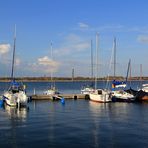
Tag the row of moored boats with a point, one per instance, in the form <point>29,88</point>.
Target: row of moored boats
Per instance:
<point>117,94</point>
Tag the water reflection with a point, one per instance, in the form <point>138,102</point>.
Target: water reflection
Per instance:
<point>99,109</point>
<point>16,113</point>
<point>99,115</point>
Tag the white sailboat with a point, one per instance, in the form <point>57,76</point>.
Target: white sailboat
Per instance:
<point>87,89</point>
<point>16,94</point>
<point>52,89</point>
<point>99,95</point>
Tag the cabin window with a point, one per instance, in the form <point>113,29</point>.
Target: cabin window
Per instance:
<point>100,92</point>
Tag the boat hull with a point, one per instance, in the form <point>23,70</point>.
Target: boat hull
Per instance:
<point>122,96</point>
<point>102,96</point>
<point>10,99</point>
<point>15,99</point>
<point>116,99</point>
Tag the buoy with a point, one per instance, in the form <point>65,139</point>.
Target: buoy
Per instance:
<point>1,103</point>
<point>62,100</point>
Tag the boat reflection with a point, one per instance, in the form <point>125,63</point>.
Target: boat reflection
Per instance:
<point>98,108</point>
<point>98,113</point>
<point>17,113</point>
<point>110,111</point>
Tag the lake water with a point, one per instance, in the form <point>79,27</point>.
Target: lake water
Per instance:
<point>78,123</point>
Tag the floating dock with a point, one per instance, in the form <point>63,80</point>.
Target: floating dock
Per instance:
<point>65,96</point>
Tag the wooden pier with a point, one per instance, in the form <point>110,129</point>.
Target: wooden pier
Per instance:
<point>65,96</point>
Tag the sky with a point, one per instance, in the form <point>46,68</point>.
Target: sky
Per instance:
<point>54,36</point>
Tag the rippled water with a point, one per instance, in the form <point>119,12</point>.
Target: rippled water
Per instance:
<point>78,123</point>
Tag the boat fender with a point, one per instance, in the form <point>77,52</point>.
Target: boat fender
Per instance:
<point>62,100</point>
<point>1,103</point>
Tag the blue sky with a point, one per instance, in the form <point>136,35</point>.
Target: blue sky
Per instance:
<point>70,25</point>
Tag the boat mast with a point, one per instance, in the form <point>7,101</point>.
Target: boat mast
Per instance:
<point>73,72</point>
<point>51,54</point>
<point>130,73</point>
<point>114,57</point>
<point>96,60</point>
<point>141,73</point>
<point>13,59</point>
<point>92,74</point>
<point>129,64</point>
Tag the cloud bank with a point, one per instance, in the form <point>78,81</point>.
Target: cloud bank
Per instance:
<point>44,65</point>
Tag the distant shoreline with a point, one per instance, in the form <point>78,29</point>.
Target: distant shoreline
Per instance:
<point>68,79</point>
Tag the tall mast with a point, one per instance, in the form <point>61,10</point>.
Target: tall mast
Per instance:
<point>13,59</point>
<point>96,60</point>
<point>51,75</point>
<point>114,57</point>
<point>92,74</point>
<point>130,73</point>
<point>140,72</point>
<point>73,74</point>
<point>128,68</point>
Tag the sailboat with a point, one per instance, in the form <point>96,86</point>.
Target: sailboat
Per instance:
<point>144,86</point>
<point>99,95</point>
<point>52,89</point>
<point>16,94</point>
<point>87,89</point>
<point>118,92</point>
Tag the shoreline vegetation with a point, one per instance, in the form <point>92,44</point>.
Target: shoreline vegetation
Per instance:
<point>69,79</point>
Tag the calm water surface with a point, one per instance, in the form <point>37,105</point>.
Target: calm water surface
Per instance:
<point>78,123</point>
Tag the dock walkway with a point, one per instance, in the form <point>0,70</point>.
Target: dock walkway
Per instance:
<point>65,96</point>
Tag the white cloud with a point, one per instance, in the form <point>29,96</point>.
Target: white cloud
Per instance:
<point>82,46</point>
<point>72,48</point>
<point>143,38</point>
<point>139,29</point>
<point>105,27</point>
<point>83,25</point>
<point>45,65</point>
<point>4,48</point>
<point>111,28</point>
<point>72,44</point>
<point>44,61</point>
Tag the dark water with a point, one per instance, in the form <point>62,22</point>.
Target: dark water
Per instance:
<point>63,87</point>
<point>78,123</point>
